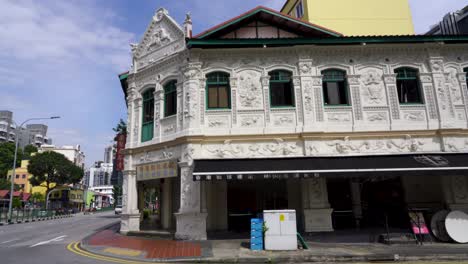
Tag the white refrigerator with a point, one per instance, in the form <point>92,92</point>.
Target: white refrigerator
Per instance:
<point>281,230</point>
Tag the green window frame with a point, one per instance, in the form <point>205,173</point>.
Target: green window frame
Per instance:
<point>335,88</point>
<point>408,86</point>
<point>218,91</point>
<point>147,127</point>
<point>170,98</point>
<point>281,89</point>
<point>466,75</point>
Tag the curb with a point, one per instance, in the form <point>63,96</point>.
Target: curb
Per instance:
<point>36,220</point>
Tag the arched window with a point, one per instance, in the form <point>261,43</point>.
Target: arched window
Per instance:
<point>408,87</point>
<point>335,90</point>
<point>281,89</point>
<point>148,115</point>
<point>466,73</point>
<point>170,98</point>
<point>218,92</point>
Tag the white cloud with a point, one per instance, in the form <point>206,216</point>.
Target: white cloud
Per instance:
<point>62,31</point>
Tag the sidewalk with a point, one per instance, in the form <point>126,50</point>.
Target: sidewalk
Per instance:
<point>110,243</point>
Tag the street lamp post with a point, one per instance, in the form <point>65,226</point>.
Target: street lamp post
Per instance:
<point>12,179</point>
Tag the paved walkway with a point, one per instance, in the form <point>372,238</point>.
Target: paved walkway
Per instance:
<point>110,243</point>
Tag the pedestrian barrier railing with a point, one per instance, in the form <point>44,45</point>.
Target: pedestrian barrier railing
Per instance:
<point>20,215</point>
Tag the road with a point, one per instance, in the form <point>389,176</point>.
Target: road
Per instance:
<point>46,241</point>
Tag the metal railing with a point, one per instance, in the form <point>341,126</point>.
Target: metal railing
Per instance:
<point>30,215</point>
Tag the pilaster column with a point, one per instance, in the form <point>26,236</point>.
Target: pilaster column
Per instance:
<point>429,98</point>
<point>305,70</point>
<point>233,84</point>
<point>392,97</point>
<point>158,111</point>
<point>318,98</point>
<point>298,98</point>
<point>455,189</point>
<point>355,187</point>
<point>166,210</point>
<point>130,220</point>
<point>137,118</point>
<point>317,211</point>
<point>442,94</point>
<point>355,97</point>
<point>191,107</point>
<point>265,79</point>
<point>191,222</point>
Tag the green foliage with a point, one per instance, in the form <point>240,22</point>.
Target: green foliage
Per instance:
<point>28,150</point>
<point>7,153</point>
<point>6,185</point>
<point>52,167</point>
<point>38,197</point>
<point>121,127</point>
<point>146,213</point>
<point>16,202</point>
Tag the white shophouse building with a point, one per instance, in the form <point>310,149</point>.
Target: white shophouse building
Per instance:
<point>268,112</point>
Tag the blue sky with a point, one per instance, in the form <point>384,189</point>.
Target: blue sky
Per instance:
<point>62,57</point>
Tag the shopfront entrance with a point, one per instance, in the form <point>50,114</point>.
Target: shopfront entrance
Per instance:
<point>248,199</point>
<point>158,195</point>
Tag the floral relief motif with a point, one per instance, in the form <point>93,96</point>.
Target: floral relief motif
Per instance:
<point>190,104</point>
<point>250,91</point>
<point>454,86</point>
<point>376,117</point>
<point>250,121</point>
<point>373,90</point>
<point>217,122</point>
<point>284,120</point>
<point>339,117</point>
<point>160,37</point>
<point>346,146</point>
<point>305,67</point>
<point>414,116</point>
<point>277,148</point>
<point>308,96</point>
<point>436,65</point>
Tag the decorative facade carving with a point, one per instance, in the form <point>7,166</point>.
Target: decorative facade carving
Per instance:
<point>232,150</point>
<point>250,90</point>
<point>373,90</point>
<point>414,116</point>
<point>250,121</point>
<point>339,117</point>
<point>376,117</point>
<point>284,120</point>
<point>454,86</point>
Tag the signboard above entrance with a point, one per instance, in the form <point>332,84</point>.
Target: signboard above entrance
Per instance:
<point>157,170</point>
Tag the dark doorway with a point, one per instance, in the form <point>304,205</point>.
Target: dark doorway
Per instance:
<point>384,202</point>
<point>339,197</point>
<point>248,199</point>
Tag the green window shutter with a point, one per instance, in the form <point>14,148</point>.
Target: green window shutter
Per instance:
<point>281,89</point>
<point>335,87</point>
<point>218,91</point>
<point>170,98</point>
<point>147,127</point>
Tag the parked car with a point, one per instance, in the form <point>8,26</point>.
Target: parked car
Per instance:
<point>118,209</point>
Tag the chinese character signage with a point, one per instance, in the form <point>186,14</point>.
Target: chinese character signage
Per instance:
<point>157,170</point>
<point>119,157</point>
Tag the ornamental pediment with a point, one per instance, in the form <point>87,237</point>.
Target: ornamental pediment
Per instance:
<point>162,38</point>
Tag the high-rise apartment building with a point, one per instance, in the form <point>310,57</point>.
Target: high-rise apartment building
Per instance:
<point>7,127</point>
<point>453,23</point>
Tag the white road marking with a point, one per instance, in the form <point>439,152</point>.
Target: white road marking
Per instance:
<point>57,239</point>
<point>9,241</point>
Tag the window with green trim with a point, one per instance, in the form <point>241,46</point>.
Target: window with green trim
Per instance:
<point>281,89</point>
<point>218,92</point>
<point>170,98</point>
<point>408,87</point>
<point>148,115</point>
<point>466,73</point>
<point>335,90</point>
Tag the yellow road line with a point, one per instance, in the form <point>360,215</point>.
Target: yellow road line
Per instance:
<point>73,247</point>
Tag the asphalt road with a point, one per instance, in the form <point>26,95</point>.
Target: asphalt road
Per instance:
<point>46,241</point>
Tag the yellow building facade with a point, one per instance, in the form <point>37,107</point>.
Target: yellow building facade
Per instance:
<point>22,177</point>
<point>355,17</point>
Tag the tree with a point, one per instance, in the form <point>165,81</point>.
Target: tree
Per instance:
<point>37,197</point>
<point>7,153</point>
<point>121,127</point>
<point>52,167</point>
<point>6,185</point>
<point>28,150</point>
